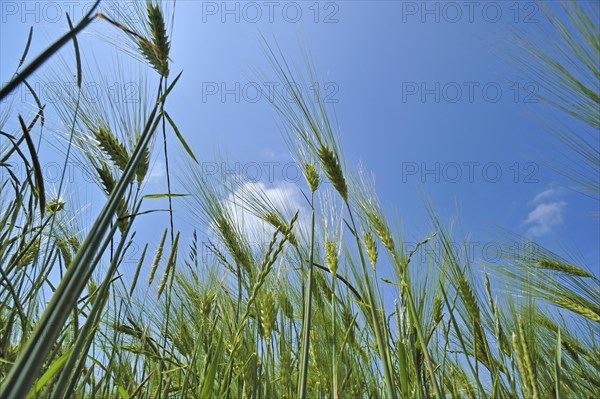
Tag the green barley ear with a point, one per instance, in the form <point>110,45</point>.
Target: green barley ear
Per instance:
<point>92,286</point>
<point>157,52</point>
<point>371,247</point>
<point>138,268</point>
<point>170,269</point>
<point>55,205</point>
<point>550,264</point>
<point>287,309</point>
<point>122,215</point>
<point>312,176</point>
<point>157,256</point>
<point>206,304</point>
<point>437,310</point>
<point>74,242</point>
<point>520,365</point>
<point>108,183</point>
<point>30,254</point>
<point>142,169</point>
<point>276,221</point>
<point>527,361</point>
<point>382,230</point>
<point>580,307</point>
<point>112,147</point>
<point>333,170</point>
<point>106,178</point>
<point>268,315</point>
<point>331,257</point>
<point>65,250</point>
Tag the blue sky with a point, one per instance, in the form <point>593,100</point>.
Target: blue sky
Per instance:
<point>423,99</point>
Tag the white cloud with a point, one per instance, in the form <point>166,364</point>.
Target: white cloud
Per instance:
<point>282,195</point>
<point>157,172</point>
<point>546,195</point>
<point>547,214</point>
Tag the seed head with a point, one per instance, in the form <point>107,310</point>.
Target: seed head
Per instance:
<point>371,247</point>
<point>54,206</point>
<point>112,147</point>
<point>268,314</point>
<point>157,52</point>
<point>331,257</point>
<point>312,176</point>
<point>333,170</point>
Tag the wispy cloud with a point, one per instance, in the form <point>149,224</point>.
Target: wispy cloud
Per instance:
<point>269,153</point>
<point>547,214</point>
<point>157,172</point>
<point>282,194</point>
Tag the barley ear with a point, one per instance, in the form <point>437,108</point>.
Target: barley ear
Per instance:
<point>170,269</point>
<point>112,147</point>
<point>137,270</point>
<point>527,361</point>
<point>142,168</point>
<point>371,248</point>
<point>157,256</point>
<point>312,176</point>
<point>106,178</point>
<point>333,170</point>
<point>157,52</point>
<point>550,264</point>
<point>268,315</point>
<point>520,365</point>
<point>331,257</point>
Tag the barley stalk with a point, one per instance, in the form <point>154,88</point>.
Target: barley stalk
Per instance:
<point>521,365</point>
<point>527,363</point>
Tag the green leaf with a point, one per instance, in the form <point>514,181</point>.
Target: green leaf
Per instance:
<point>558,365</point>
<point>166,93</point>
<point>209,379</point>
<point>37,169</point>
<point>122,392</point>
<point>22,59</point>
<point>77,55</point>
<point>49,374</point>
<point>154,196</point>
<point>180,137</point>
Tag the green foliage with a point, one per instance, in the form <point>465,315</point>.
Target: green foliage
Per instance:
<point>301,316</point>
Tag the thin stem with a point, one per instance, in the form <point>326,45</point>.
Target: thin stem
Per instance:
<point>389,383</point>
<point>333,340</point>
<point>307,308</point>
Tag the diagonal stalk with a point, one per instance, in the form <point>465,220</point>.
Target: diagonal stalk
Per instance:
<point>307,306</point>
<point>333,340</point>
<point>381,345</point>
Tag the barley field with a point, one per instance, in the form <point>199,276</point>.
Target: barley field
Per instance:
<point>113,296</point>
